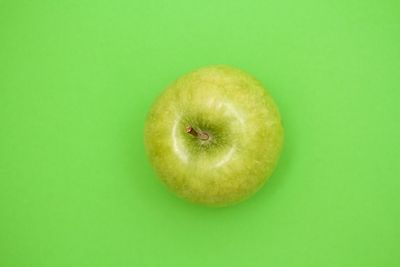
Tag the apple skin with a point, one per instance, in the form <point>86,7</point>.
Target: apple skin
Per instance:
<point>244,129</point>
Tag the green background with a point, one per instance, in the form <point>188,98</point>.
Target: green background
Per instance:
<point>78,77</point>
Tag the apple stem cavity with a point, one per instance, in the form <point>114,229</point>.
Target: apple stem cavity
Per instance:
<point>200,135</point>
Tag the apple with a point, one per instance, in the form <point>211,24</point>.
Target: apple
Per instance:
<point>214,136</point>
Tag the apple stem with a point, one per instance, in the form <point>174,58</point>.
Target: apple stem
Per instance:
<point>201,135</point>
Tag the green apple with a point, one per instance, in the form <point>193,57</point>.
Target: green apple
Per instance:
<point>214,136</point>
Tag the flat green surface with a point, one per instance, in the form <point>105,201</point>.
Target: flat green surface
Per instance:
<point>78,77</point>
